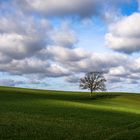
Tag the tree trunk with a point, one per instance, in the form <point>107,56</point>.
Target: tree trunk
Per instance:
<point>90,93</point>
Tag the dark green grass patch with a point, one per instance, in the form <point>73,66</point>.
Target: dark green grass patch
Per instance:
<point>57,115</point>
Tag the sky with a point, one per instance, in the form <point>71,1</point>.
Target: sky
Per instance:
<point>51,44</point>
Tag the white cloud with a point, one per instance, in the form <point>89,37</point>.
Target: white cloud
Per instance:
<point>31,47</point>
<point>96,62</point>
<point>22,39</point>
<point>82,8</point>
<point>117,71</point>
<point>124,36</point>
<point>63,7</point>
<point>4,59</point>
<point>72,79</point>
<point>31,66</point>
<point>9,82</point>
<point>62,54</point>
<point>64,36</point>
<point>134,65</point>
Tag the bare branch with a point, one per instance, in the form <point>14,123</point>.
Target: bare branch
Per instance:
<point>93,81</point>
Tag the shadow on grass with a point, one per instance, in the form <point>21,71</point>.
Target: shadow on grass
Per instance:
<point>13,94</point>
<point>104,96</point>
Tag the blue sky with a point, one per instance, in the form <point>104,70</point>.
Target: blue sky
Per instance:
<point>49,45</point>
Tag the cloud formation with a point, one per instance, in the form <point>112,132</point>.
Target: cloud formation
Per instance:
<point>24,37</point>
<point>38,47</point>
<point>9,82</point>
<point>124,36</point>
<point>82,8</point>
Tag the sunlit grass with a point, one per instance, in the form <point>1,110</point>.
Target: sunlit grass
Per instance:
<point>38,114</point>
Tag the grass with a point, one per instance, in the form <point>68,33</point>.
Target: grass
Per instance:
<point>56,115</point>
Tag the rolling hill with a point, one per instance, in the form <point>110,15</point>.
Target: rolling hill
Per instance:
<point>58,115</point>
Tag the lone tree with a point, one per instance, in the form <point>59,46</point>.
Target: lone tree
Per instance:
<point>93,81</point>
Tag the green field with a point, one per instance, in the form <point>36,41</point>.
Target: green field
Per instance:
<point>57,115</point>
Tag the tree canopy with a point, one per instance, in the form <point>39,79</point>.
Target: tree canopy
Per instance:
<point>93,81</point>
